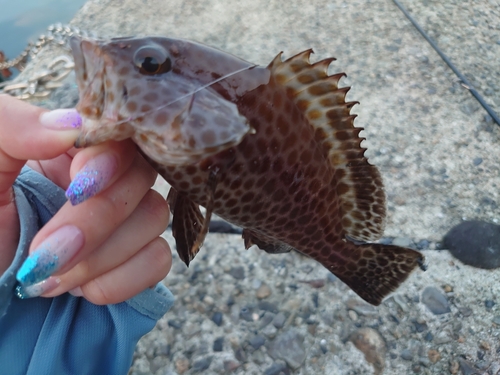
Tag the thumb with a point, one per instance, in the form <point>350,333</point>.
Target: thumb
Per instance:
<point>25,135</point>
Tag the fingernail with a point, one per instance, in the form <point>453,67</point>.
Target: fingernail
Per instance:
<point>59,119</point>
<point>51,255</point>
<point>76,292</point>
<point>92,178</point>
<point>36,290</point>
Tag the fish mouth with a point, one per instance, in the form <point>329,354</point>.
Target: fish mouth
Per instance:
<point>90,62</point>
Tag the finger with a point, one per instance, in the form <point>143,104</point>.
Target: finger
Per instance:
<point>95,168</point>
<point>24,137</point>
<point>147,222</point>
<point>148,267</point>
<point>75,231</point>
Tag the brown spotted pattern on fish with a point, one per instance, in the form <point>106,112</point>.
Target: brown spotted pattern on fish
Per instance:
<point>294,177</point>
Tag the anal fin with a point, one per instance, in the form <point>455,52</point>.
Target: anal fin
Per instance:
<point>264,242</point>
<point>189,226</point>
<point>372,270</point>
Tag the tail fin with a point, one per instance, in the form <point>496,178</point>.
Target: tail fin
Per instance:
<point>373,270</point>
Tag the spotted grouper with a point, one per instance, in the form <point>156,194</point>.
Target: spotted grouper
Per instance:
<point>271,149</point>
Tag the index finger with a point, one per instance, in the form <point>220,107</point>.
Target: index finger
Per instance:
<point>23,137</point>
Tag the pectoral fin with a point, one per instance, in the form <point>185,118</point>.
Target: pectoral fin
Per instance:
<point>189,226</point>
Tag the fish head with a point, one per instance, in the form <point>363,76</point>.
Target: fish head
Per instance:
<point>149,90</point>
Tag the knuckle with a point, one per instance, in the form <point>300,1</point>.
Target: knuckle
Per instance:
<point>148,172</point>
<point>94,292</point>
<point>160,257</point>
<point>156,210</point>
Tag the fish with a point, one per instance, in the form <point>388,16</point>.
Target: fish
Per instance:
<point>272,149</point>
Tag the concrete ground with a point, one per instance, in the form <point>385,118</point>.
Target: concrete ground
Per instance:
<point>437,149</point>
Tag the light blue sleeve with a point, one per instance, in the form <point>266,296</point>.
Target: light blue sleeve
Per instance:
<point>66,334</point>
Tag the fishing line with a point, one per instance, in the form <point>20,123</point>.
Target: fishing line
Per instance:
<point>445,58</point>
<point>193,92</point>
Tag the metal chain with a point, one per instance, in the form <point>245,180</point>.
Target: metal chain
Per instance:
<point>41,84</point>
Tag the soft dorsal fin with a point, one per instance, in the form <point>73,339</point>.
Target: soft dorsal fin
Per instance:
<point>359,184</point>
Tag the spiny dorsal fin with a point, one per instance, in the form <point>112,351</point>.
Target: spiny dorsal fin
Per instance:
<point>359,184</point>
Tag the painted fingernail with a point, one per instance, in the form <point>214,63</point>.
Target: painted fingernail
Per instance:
<point>92,178</point>
<point>51,255</point>
<point>37,289</point>
<point>60,119</point>
<point>76,292</point>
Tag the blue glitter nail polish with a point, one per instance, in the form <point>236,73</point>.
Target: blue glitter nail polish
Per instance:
<point>85,185</point>
<point>51,255</point>
<point>40,265</point>
<point>91,179</point>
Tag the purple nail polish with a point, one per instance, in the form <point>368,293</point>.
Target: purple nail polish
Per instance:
<point>60,119</point>
<point>37,289</point>
<point>92,178</point>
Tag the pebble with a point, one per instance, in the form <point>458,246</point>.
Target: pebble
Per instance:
<point>477,161</point>
<point>279,320</point>
<point>433,355</point>
<point>442,338</point>
<point>466,367</point>
<point>420,326</point>
<point>218,345</point>
<point>237,272</point>
<point>263,292</point>
<point>175,323</point>
<point>269,331</point>
<point>266,319</point>
<point>435,301</point>
<point>475,243</point>
<point>257,341</point>
<point>361,308</point>
<point>230,366</point>
<point>402,241</point>
<point>323,345</point>
<point>217,318</point>
<point>489,303</point>
<point>352,314</point>
<point>201,364</point>
<point>423,244</point>
<point>277,369</point>
<point>268,306</point>
<point>288,346</point>
<point>496,319</point>
<point>465,311</point>
<point>372,345</point>
<point>485,345</point>
<point>181,365</point>
<point>246,313</point>
<point>406,354</point>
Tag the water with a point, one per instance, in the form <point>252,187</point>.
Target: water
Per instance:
<point>24,20</point>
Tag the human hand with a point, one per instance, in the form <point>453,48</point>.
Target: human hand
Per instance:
<point>106,249</point>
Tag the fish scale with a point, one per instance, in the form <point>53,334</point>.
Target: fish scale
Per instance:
<point>271,149</point>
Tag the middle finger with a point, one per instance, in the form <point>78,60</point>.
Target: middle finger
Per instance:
<point>75,231</point>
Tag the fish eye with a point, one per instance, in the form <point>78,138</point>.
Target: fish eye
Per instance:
<point>152,60</point>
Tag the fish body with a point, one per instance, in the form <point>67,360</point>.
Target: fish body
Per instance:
<point>271,149</point>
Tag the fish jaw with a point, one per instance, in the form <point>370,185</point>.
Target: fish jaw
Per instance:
<point>101,118</point>
<point>174,119</point>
